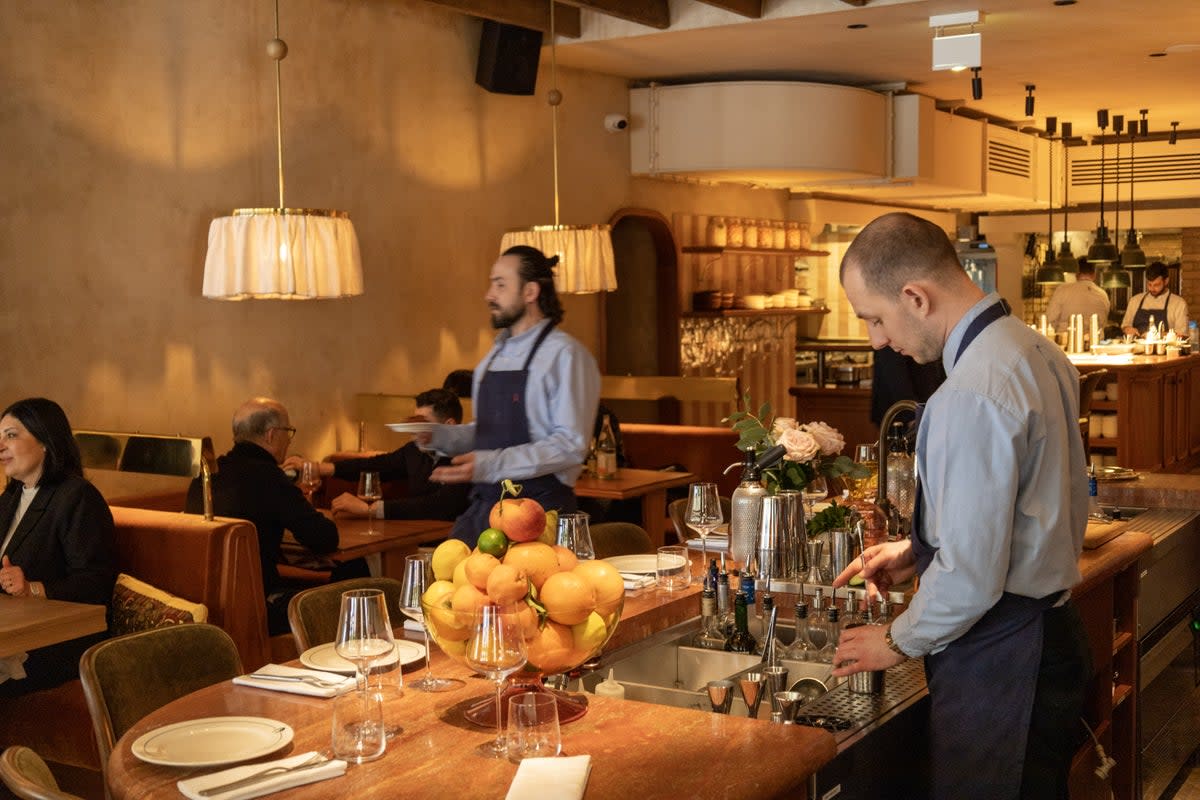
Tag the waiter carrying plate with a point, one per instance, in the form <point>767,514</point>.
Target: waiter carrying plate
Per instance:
<point>535,397</point>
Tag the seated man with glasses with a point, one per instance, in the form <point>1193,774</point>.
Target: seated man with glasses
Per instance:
<point>249,484</point>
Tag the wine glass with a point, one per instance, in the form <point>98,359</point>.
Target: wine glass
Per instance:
<point>364,636</point>
<point>369,490</point>
<point>866,455</point>
<point>310,479</point>
<point>497,649</point>
<point>418,574</point>
<point>815,490</point>
<point>704,513</point>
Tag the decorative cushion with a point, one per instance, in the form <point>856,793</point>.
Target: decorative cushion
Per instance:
<point>138,606</point>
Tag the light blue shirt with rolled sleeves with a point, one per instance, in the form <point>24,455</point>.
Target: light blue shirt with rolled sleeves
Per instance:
<point>1003,480</point>
<point>561,398</point>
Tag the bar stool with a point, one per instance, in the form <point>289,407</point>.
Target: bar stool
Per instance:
<point>1088,382</point>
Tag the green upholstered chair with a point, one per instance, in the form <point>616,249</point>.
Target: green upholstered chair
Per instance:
<point>127,677</point>
<point>28,777</point>
<point>313,613</point>
<point>619,539</point>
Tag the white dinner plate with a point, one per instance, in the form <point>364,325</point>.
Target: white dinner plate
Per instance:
<point>324,657</point>
<point>413,427</point>
<point>645,564</point>
<point>212,741</point>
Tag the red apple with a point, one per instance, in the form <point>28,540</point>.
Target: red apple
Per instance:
<point>521,519</point>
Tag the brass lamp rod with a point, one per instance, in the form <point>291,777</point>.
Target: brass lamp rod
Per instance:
<point>278,50</point>
<point>554,97</point>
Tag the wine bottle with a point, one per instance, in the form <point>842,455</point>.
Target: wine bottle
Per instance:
<point>741,641</point>
<point>710,636</point>
<point>606,451</point>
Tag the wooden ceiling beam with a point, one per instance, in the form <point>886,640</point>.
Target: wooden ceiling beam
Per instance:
<point>535,16</point>
<point>746,8</point>
<point>654,13</point>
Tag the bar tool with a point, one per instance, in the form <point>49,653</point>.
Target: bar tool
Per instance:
<point>752,685</point>
<point>777,677</point>
<point>788,703</point>
<point>720,694</point>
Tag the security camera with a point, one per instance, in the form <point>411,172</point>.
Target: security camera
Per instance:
<point>615,123</point>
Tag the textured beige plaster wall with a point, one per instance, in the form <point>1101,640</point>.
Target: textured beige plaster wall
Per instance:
<point>127,125</point>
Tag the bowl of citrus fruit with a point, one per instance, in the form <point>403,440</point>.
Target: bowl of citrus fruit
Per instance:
<point>568,607</point>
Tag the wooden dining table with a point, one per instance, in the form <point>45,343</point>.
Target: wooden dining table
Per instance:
<point>648,484</point>
<point>393,539</point>
<point>638,749</point>
<point>27,623</point>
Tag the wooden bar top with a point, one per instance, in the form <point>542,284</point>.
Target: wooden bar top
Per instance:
<point>27,623</point>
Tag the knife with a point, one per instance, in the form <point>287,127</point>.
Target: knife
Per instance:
<point>315,760</point>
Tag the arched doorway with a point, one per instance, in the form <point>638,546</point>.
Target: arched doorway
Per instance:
<point>641,318</point>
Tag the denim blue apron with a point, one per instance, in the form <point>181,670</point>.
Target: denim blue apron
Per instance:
<point>501,421</point>
<point>982,685</point>
<point>1141,317</point>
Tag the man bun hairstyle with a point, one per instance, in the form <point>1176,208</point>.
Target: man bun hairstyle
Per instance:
<point>536,267</point>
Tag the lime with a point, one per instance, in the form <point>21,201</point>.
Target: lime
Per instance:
<point>493,542</point>
<point>858,580</point>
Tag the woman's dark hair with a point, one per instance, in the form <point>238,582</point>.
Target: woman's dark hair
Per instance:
<point>536,267</point>
<point>47,422</point>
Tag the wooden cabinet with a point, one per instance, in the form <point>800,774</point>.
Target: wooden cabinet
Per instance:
<point>1158,413</point>
<point>1107,603</point>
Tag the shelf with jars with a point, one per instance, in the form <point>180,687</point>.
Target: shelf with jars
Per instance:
<point>751,251</point>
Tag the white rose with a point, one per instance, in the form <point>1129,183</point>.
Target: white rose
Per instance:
<point>801,446</point>
<point>782,424</point>
<point>830,441</point>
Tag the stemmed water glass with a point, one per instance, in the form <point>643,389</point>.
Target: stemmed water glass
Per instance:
<point>364,636</point>
<point>704,513</point>
<point>418,575</point>
<point>369,490</point>
<point>814,491</point>
<point>497,649</point>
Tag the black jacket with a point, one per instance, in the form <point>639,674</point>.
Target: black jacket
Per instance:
<point>249,485</point>
<point>424,498</point>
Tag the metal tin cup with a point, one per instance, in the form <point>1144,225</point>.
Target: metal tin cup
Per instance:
<point>777,681</point>
<point>772,533</point>
<point>870,682</point>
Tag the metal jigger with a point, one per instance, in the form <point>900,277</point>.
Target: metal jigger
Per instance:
<point>720,694</point>
<point>776,682</point>
<point>788,703</point>
<point>752,684</point>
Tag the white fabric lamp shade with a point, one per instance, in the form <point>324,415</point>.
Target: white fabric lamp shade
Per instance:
<point>282,255</point>
<point>585,255</point>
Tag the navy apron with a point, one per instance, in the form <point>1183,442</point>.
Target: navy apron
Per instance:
<point>501,421</point>
<point>982,685</point>
<point>1141,317</point>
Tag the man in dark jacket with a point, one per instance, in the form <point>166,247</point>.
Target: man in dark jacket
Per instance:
<point>250,485</point>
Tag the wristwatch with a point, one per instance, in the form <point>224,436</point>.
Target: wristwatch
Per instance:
<point>891,643</point>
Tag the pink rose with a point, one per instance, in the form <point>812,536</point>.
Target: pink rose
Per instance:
<point>830,441</point>
<point>782,424</point>
<point>800,445</point>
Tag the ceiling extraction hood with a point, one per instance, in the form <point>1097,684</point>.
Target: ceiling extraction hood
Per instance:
<point>810,137</point>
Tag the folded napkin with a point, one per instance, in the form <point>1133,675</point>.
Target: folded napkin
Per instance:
<point>716,544</point>
<point>413,625</point>
<point>550,778</point>
<point>11,667</point>
<point>635,581</point>
<point>344,683</point>
<point>192,787</point>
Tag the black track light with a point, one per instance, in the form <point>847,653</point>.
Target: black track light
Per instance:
<point>1174,133</point>
<point>1145,122</point>
<point>1051,126</point>
<point>1029,87</point>
<point>1119,124</point>
<point>976,84</point>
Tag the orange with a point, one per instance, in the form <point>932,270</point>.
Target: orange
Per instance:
<point>466,599</point>
<point>507,584</point>
<point>568,598</point>
<point>552,649</point>
<point>606,581</point>
<point>537,559</point>
<point>478,567</point>
<point>566,559</point>
<point>528,618</point>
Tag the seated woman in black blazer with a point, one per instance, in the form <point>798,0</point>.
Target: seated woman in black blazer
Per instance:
<point>56,532</point>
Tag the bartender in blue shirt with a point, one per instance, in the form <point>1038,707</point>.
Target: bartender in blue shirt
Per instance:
<point>535,398</point>
<point>998,529</point>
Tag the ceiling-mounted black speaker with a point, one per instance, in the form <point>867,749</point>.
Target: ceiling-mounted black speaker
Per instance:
<point>508,58</point>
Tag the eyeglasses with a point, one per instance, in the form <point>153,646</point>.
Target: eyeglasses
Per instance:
<point>291,432</point>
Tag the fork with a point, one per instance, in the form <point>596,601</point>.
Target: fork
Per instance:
<point>311,680</point>
<point>315,760</point>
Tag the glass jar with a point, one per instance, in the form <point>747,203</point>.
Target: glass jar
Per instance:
<point>765,237</point>
<point>793,236</point>
<point>718,235</point>
<point>735,232</point>
<point>778,236</point>
<point>751,235</point>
